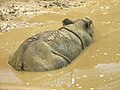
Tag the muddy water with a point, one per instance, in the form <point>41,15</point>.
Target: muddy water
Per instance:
<point>97,68</point>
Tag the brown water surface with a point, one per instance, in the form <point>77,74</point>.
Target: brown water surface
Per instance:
<point>97,68</point>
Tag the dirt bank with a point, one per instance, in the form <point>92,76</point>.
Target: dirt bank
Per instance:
<point>10,10</point>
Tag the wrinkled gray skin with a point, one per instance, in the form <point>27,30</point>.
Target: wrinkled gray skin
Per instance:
<point>52,50</point>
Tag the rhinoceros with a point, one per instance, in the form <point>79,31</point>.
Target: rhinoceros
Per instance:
<point>51,50</point>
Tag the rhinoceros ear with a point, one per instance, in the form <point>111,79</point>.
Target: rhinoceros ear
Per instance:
<point>67,21</point>
<point>89,22</point>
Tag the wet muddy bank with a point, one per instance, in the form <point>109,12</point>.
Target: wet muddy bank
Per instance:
<point>10,10</point>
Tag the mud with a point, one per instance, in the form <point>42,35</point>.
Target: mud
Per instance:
<point>8,12</point>
<point>97,68</point>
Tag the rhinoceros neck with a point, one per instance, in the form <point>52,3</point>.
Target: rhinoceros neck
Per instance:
<point>80,38</point>
<point>81,33</point>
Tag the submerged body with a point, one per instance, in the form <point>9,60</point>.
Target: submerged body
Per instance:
<point>52,50</point>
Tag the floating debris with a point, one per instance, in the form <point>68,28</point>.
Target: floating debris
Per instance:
<point>101,75</point>
<point>118,54</point>
<point>79,87</point>
<point>91,88</point>
<point>27,83</point>
<point>85,76</point>
<point>105,53</point>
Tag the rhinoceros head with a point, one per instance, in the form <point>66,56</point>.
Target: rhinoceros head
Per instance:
<point>86,23</point>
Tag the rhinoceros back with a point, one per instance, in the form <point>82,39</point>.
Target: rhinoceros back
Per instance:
<point>47,51</point>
